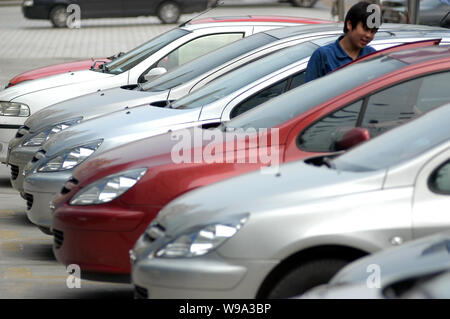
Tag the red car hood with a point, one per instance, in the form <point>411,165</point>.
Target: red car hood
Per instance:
<point>55,69</point>
<point>154,151</point>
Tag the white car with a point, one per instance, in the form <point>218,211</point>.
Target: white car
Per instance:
<point>164,52</point>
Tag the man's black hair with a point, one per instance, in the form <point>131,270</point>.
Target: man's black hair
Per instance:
<point>358,13</point>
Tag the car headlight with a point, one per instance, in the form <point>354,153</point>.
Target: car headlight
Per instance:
<point>28,3</point>
<point>43,136</point>
<point>202,241</point>
<point>69,159</point>
<point>14,109</point>
<point>108,188</point>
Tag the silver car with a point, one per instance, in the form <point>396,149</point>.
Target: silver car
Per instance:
<point>392,272</point>
<point>173,85</point>
<point>220,101</point>
<point>292,230</point>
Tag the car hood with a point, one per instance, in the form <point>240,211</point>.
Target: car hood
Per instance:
<point>121,127</point>
<point>295,183</point>
<point>91,105</point>
<point>56,69</point>
<point>417,257</point>
<point>57,80</point>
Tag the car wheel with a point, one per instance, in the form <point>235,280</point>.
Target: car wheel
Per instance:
<point>58,16</point>
<point>303,3</point>
<point>169,12</point>
<point>306,276</point>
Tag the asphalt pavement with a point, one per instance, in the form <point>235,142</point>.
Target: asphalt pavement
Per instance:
<point>28,268</point>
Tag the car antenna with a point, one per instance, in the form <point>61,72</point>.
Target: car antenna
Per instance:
<point>214,6</point>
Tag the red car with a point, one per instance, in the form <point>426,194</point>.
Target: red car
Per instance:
<point>113,197</point>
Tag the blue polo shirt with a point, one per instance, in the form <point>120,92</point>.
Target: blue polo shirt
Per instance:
<point>328,58</point>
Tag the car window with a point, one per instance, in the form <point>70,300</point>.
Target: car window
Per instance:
<point>139,54</point>
<point>197,47</point>
<point>401,144</point>
<point>245,75</point>
<point>297,80</point>
<point>259,98</point>
<point>207,62</point>
<point>439,181</point>
<point>405,101</point>
<point>314,93</point>
<point>320,136</point>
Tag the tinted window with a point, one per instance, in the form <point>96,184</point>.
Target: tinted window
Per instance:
<point>313,93</point>
<point>137,55</point>
<point>440,179</point>
<point>403,143</point>
<point>259,98</point>
<point>245,75</point>
<point>196,48</point>
<point>320,136</point>
<point>402,102</point>
<point>207,62</point>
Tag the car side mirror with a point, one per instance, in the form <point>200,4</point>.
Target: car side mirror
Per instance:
<point>352,138</point>
<point>153,73</point>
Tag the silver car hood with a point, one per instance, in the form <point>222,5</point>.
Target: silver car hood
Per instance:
<point>126,125</point>
<point>295,184</point>
<point>422,256</point>
<point>91,105</point>
<point>53,81</point>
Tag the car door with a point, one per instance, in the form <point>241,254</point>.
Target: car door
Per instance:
<point>431,201</point>
<point>100,8</point>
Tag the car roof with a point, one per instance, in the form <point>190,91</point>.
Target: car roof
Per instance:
<point>423,54</point>
<point>259,18</point>
<point>390,28</point>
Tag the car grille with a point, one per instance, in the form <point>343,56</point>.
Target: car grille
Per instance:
<point>58,238</point>
<point>29,199</point>
<point>66,189</point>
<point>140,293</point>
<point>38,155</point>
<point>154,232</point>
<point>22,131</point>
<point>14,172</point>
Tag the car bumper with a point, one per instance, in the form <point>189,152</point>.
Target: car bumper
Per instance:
<point>18,158</point>
<point>7,133</point>
<point>209,276</point>
<point>39,189</point>
<point>36,11</point>
<point>99,239</point>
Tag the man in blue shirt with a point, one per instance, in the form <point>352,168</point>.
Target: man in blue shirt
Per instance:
<point>348,47</point>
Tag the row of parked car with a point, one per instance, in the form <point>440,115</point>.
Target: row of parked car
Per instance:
<point>143,168</point>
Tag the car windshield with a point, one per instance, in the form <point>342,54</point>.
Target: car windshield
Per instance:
<point>186,72</point>
<point>245,75</point>
<point>402,143</point>
<point>297,101</point>
<point>137,55</point>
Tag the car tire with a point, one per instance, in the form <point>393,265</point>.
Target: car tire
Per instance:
<point>306,276</point>
<point>58,16</point>
<point>304,3</point>
<point>169,12</point>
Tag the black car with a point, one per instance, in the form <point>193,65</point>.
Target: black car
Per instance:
<point>168,11</point>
